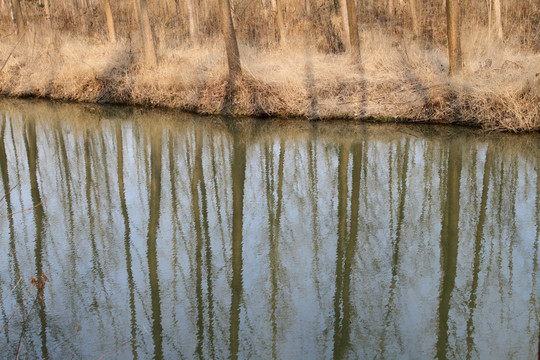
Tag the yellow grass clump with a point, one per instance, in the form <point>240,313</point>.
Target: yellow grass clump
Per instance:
<point>393,79</point>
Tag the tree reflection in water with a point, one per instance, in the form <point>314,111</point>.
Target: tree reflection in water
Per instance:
<point>210,238</point>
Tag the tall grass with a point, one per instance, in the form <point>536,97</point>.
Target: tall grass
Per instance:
<point>311,76</point>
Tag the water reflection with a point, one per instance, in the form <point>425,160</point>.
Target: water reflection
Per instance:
<point>170,236</point>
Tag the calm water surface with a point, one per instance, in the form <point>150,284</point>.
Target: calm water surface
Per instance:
<point>166,235</point>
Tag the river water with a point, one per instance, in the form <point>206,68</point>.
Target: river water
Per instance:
<point>166,235</point>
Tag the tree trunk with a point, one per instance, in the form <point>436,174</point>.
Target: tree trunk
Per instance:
<point>390,9</point>
<point>146,32</point>
<point>90,7</point>
<point>47,7</point>
<point>17,12</point>
<point>307,7</point>
<point>192,20</point>
<point>231,44</point>
<point>265,4</point>
<point>273,5</point>
<point>353,28</point>
<point>281,23</point>
<point>414,18</point>
<point>78,16</point>
<point>110,21</point>
<point>75,10</point>
<point>454,43</point>
<point>345,20</point>
<point>496,18</point>
<point>136,12</point>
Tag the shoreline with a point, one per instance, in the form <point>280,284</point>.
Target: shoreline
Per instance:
<point>402,82</point>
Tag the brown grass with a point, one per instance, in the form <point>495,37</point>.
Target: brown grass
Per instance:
<point>395,79</point>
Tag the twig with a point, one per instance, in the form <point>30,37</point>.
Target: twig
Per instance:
<point>11,52</point>
<point>116,348</point>
<point>8,35</point>
<point>10,190</point>
<point>65,341</point>
<point>17,309</point>
<point>122,344</point>
<point>24,210</point>
<point>40,285</point>
<point>20,343</point>
<point>25,322</point>
<point>14,287</point>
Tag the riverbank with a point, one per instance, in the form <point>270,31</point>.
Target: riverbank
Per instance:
<point>500,88</point>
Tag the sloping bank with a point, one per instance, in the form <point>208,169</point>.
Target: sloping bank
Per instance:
<point>500,89</point>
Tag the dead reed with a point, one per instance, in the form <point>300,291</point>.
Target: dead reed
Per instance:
<point>309,75</point>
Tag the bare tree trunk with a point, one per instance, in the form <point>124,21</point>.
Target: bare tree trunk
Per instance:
<point>390,9</point>
<point>353,28</point>
<point>266,8</point>
<point>75,10</point>
<point>231,44</point>
<point>165,8</point>
<point>192,20</point>
<point>281,23</point>
<point>496,18</point>
<point>414,18</point>
<point>273,5</point>
<point>110,21</point>
<point>307,7</point>
<point>17,13</point>
<point>345,20</point>
<point>47,7</point>
<point>90,7</point>
<point>454,43</point>
<point>369,4</point>
<point>77,16</point>
<point>146,32</point>
<point>136,12</point>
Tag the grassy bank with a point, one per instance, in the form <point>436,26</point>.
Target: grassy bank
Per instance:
<point>395,79</point>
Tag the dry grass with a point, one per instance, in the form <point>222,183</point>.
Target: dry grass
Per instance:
<point>500,88</point>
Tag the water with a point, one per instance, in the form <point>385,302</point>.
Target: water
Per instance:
<point>166,235</point>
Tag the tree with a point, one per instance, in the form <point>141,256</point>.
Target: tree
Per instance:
<point>281,22</point>
<point>231,44</point>
<point>390,9</point>
<point>47,7</point>
<point>193,21</point>
<point>110,21</point>
<point>454,43</point>
<point>352,19</point>
<point>495,18</point>
<point>146,32</point>
<point>345,20</point>
<point>414,18</point>
<point>17,13</point>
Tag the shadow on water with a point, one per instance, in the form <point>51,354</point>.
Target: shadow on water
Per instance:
<point>267,239</point>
